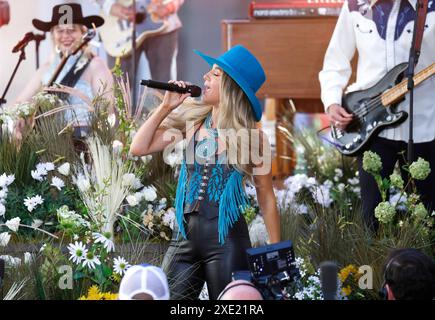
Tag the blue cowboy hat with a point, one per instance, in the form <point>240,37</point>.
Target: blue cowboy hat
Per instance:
<point>244,69</point>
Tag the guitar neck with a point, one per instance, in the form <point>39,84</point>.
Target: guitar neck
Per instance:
<point>398,91</point>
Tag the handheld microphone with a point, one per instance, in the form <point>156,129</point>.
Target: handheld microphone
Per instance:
<point>194,91</point>
<point>329,280</point>
<point>29,36</point>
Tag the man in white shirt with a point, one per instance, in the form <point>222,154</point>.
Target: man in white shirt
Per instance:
<point>381,33</point>
<point>161,49</point>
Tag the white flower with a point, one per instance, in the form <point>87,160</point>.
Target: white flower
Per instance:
<point>162,204</point>
<point>43,247</point>
<point>58,183</point>
<point>117,146</point>
<point>173,159</point>
<point>250,190</point>
<point>258,232</point>
<point>137,184</point>
<point>76,237</point>
<point>13,224</point>
<point>146,159</point>
<point>398,200</point>
<point>128,180</point>
<point>31,203</point>
<point>341,187</point>
<point>2,210</point>
<point>28,257</point>
<point>38,175</point>
<point>91,260</point>
<point>139,196</point>
<point>322,196</point>
<point>149,194</point>
<point>11,261</point>
<point>36,223</point>
<point>104,240</point>
<point>6,180</point>
<point>132,200</point>
<point>64,169</point>
<point>301,208</point>
<point>83,183</point>
<point>46,166</point>
<point>120,265</point>
<point>3,193</point>
<point>339,172</point>
<point>77,252</point>
<point>4,239</point>
<point>169,218</point>
<point>111,119</point>
<point>353,181</point>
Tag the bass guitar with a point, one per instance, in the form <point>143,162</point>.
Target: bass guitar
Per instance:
<point>374,109</point>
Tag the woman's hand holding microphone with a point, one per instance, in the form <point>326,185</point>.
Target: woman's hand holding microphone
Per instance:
<point>172,100</point>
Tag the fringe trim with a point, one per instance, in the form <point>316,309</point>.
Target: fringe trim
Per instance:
<point>233,201</point>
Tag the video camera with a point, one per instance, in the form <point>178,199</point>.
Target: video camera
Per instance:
<point>271,269</point>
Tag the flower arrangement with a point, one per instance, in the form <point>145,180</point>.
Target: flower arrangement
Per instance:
<point>404,205</point>
<point>349,277</point>
<point>159,223</point>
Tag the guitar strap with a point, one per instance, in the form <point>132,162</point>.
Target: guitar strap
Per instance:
<point>421,9</point>
<point>74,74</point>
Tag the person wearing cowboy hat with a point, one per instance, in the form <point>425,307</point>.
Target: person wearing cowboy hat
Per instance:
<point>380,32</point>
<point>224,149</point>
<point>85,72</point>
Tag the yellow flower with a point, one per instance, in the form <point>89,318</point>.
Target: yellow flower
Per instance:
<point>115,277</point>
<point>110,296</point>
<point>94,293</point>
<point>345,272</point>
<point>346,291</point>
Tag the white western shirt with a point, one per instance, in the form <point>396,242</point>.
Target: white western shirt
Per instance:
<point>382,35</point>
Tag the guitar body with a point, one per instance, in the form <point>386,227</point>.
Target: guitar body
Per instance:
<point>370,115</point>
<point>116,34</point>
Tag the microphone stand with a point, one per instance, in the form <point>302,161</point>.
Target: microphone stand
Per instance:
<point>20,59</point>
<point>414,54</point>
<point>38,38</point>
<point>133,48</point>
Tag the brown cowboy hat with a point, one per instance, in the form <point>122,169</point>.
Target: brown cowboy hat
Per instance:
<point>68,13</point>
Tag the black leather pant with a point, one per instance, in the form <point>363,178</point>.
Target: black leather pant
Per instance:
<point>188,263</point>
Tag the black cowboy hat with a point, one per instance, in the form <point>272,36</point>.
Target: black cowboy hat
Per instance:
<point>60,16</point>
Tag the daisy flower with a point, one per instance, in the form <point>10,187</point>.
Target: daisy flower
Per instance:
<point>31,203</point>
<point>120,265</point>
<point>104,240</point>
<point>90,260</point>
<point>58,183</point>
<point>77,252</point>
<point>13,224</point>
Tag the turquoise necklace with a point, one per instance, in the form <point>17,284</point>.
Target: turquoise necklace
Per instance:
<point>208,146</point>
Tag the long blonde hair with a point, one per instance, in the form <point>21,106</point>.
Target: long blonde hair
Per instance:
<point>235,112</point>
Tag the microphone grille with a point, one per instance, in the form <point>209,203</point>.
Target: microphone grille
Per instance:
<point>329,279</point>
<point>195,91</point>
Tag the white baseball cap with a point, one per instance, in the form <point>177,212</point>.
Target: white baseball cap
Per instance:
<point>146,279</point>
